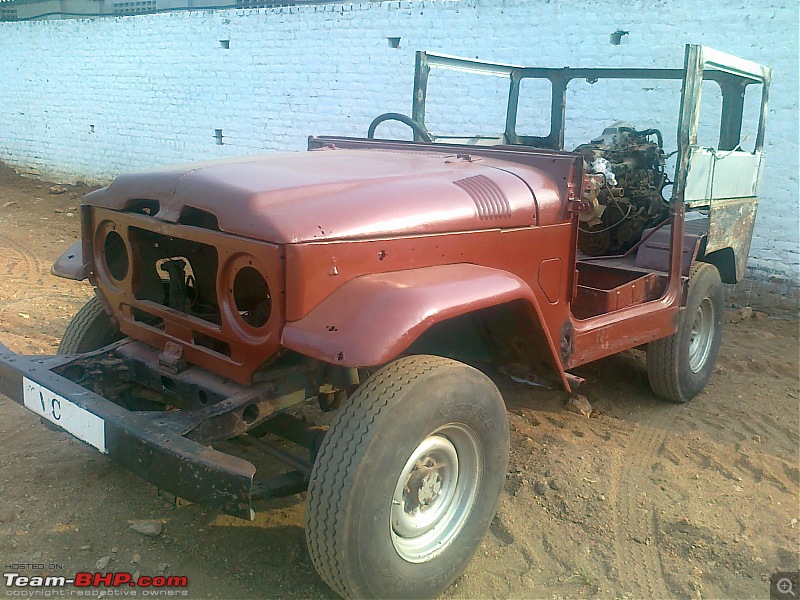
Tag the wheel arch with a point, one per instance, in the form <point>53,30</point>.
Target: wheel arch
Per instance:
<point>373,319</point>
<point>725,261</point>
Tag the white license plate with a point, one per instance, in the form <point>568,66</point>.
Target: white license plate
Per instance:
<point>69,416</point>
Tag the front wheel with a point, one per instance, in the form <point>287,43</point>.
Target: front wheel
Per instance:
<point>679,366</point>
<point>91,328</point>
<point>407,480</point>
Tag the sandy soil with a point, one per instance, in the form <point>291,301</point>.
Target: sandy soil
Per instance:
<point>647,500</point>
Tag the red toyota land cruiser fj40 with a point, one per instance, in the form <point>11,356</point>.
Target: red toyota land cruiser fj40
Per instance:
<point>356,274</point>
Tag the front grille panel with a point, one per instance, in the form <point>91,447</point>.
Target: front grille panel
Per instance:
<point>216,295</point>
<point>155,282</point>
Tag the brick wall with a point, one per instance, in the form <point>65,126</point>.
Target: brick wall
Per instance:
<point>88,99</point>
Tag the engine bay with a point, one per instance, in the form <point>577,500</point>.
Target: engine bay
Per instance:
<point>626,179</point>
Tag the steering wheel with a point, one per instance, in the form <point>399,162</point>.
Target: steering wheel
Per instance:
<point>419,130</point>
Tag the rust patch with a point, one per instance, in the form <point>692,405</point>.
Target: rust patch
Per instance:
<point>731,226</point>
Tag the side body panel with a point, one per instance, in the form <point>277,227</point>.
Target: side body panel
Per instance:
<point>378,296</point>
<point>722,181</point>
<point>373,318</point>
<point>725,184</point>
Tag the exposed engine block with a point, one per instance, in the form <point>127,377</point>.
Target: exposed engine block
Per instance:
<point>624,194</point>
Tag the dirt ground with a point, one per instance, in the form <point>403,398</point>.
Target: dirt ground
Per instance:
<point>647,500</point>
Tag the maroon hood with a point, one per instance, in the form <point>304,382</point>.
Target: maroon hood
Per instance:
<point>340,194</point>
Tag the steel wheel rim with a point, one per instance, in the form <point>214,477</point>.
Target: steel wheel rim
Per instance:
<point>701,336</point>
<point>436,492</point>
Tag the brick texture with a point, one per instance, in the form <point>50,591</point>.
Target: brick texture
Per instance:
<point>88,99</point>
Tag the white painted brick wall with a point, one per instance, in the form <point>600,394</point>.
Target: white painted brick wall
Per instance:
<point>88,99</point>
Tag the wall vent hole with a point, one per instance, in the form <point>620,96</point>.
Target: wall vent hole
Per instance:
<point>616,37</point>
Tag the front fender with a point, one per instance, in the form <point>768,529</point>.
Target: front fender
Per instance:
<point>373,318</point>
<point>71,265</point>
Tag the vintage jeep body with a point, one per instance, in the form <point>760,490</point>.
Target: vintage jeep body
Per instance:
<point>356,274</point>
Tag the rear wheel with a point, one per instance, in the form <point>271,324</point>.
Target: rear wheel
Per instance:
<point>91,328</point>
<point>407,480</point>
<point>679,366</point>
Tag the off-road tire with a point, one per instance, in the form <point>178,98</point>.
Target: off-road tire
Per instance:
<point>91,328</point>
<point>675,371</point>
<point>356,476</point>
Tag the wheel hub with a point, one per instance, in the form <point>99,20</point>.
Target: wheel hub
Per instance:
<point>435,492</point>
<point>423,485</point>
<point>701,336</point>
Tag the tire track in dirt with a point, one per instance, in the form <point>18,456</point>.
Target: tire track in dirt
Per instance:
<point>636,555</point>
<point>21,272</point>
<point>20,264</point>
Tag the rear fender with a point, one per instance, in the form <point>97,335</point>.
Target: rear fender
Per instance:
<point>372,319</point>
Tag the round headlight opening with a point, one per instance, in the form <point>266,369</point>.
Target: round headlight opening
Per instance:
<point>115,255</point>
<point>251,297</point>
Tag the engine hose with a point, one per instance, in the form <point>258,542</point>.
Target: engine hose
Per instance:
<point>655,132</point>
<point>620,222</point>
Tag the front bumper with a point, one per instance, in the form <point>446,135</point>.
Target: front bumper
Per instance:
<point>145,443</point>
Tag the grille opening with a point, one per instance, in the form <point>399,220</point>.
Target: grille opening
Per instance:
<point>141,316</point>
<point>177,273</point>
<point>115,255</point>
<point>163,270</point>
<point>142,206</point>
<point>197,217</point>
<point>251,296</point>
<point>206,341</point>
